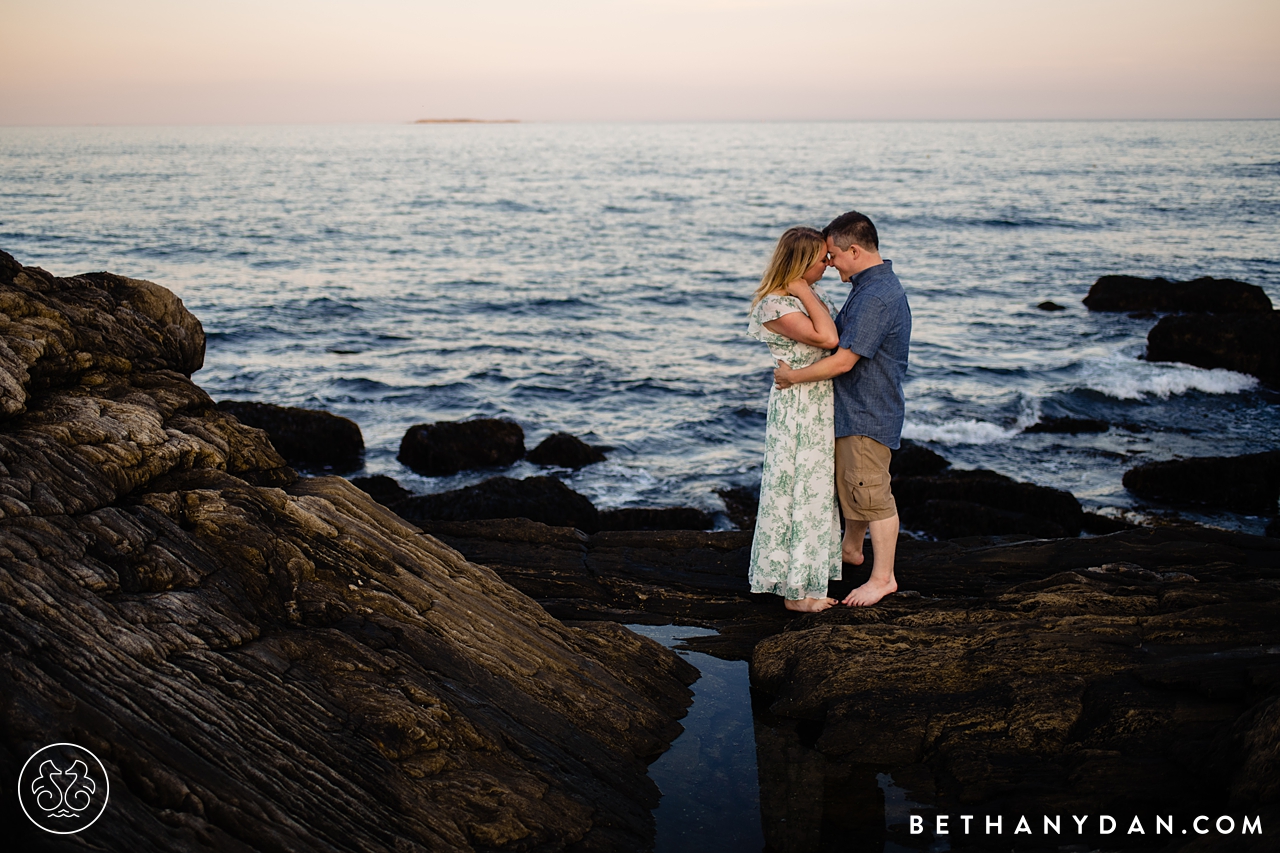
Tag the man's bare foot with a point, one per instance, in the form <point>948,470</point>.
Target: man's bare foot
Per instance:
<point>871,592</point>
<point>853,558</point>
<point>810,605</point>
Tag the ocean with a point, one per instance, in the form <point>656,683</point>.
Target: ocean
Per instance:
<point>595,279</point>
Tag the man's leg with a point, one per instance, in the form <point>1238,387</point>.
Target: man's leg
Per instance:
<point>855,534</point>
<point>884,542</point>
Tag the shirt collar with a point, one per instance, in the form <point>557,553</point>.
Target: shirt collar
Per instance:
<point>871,272</point>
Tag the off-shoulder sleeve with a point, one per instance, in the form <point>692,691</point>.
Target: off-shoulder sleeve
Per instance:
<point>773,307</point>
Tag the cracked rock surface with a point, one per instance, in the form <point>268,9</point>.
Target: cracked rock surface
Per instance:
<point>268,662</point>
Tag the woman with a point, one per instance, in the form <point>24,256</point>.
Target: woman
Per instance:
<point>796,549</point>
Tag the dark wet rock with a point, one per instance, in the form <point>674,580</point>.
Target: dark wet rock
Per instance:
<point>1100,525</point>
<point>448,447</point>
<point>665,518</point>
<point>1045,678</point>
<point>383,489</point>
<point>691,577</point>
<point>565,451</point>
<point>1201,295</point>
<point>1249,483</point>
<point>1105,675</point>
<point>1245,343</point>
<point>541,499</point>
<point>1069,426</point>
<point>1011,507</point>
<point>950,519</point>
<point>1051,306</point>
<point>741,504</point>
<point>306,438</point>
<point>265,662</point>
<point>916,460</point>
<point>1273,528</point>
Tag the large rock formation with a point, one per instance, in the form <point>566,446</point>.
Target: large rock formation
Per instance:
<point>1249,483</point>
<point>1202,295</point>
<point>956,503</point>
<point>1245,343</point>
<point>306,438</point>
<point>1044,678</point>
<point>1125,674</point>
<point>264,662</point>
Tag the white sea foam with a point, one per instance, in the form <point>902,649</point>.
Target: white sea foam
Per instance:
<point>973,431</point>
<point>958,432</point>
<point>1126,378</point>
<point>610,485</point>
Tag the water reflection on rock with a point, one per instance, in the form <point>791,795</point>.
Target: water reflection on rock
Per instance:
<point>710,802</point>
<point>811,805</point>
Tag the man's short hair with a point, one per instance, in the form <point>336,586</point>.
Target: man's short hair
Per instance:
<point>853,227</point>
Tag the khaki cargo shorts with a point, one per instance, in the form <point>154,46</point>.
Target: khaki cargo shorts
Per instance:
<point>862,479</point>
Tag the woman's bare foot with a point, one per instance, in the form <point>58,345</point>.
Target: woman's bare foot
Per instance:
<point>871,592</point>
<point>810,605</point>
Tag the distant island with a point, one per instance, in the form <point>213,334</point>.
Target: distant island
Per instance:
<point>467,121</point>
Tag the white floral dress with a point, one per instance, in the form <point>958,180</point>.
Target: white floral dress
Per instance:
<point>796,548</point>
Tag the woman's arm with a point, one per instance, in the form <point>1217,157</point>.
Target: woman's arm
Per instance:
<point>840,361</point>
<point>817,329</point>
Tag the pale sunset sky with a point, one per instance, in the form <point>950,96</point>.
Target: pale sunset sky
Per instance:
<point>286,61</point>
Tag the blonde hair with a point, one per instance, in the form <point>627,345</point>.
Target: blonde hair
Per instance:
<point>796,251</point>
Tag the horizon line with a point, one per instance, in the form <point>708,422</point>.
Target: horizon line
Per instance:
<point>519,121</point>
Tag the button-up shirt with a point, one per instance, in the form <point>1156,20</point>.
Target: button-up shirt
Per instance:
<point>875,323</point>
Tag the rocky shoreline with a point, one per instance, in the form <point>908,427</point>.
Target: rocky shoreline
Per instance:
<point>265,660</point>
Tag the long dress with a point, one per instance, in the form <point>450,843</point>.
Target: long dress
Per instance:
<point>796,548</point>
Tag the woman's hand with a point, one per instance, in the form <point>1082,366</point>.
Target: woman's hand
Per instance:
<point>813,327</point>
<point>782,376</point>
<point>799,289</point>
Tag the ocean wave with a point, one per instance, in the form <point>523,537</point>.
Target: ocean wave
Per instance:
<point>972,431</point>
<point>1127,378</point>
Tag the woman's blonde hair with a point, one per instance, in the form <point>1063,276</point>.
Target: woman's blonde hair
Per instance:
<point>796,251</point>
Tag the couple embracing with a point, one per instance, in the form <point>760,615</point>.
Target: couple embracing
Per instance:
<point>835,414</point>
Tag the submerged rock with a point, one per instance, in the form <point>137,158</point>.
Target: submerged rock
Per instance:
<point>541,499</point>
<point>1249,483</point>
<point>1202,295</point>
<point>663,518</point>
<point>268,662</point>
<point>448,447</point>
<point>1069,426</point>
<point>565,451</point>
<point>1245,343</point>
<point>306,438</point>
<point>1051,306</point>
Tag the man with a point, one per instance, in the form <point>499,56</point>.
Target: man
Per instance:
<point>867,372</point>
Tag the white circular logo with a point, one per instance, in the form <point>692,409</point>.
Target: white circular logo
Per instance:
<point>63,788</point>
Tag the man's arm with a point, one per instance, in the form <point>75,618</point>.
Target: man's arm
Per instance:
<point>840,361</point>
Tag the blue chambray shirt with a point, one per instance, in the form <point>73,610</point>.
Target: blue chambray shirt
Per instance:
<point>875,323</point>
